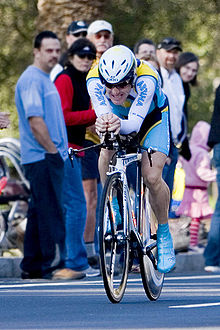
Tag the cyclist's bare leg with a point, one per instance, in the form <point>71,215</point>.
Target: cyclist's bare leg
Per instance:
<point>159,191</point>
<point>159,200</point>
<point>104,159</point>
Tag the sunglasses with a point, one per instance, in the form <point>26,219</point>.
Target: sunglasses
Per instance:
<point>120,85</point>
<point>106,35</point>
<point>80,34</point>
<point>89,56</point>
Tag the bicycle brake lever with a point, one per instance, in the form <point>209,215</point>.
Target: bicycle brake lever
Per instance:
<point>71,153</point>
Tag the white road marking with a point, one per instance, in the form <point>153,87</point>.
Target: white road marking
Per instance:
<point>196,305</point>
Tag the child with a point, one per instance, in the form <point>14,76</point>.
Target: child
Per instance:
<point>198,175</point>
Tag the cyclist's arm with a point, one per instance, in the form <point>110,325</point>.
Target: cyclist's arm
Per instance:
<point>97,93</point>
<point>145,87</point>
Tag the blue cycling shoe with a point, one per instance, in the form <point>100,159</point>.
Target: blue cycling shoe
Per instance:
<point>165,251</point>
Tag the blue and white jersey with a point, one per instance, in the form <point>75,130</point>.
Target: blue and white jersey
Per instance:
<point>145,96</point>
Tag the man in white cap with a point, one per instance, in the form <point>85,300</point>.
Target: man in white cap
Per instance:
<point>100,33</point>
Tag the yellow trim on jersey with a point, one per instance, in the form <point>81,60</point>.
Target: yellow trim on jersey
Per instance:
<point>93,73</point>
<point>165,109</point>
<point>144,70</point>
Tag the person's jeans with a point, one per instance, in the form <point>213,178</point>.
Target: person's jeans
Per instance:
<point>169,170</point>
<point>75,216</point>
<point>45,232</point>
<point>212,250</point>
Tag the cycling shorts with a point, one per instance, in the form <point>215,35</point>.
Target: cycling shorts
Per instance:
<point>158,137</point>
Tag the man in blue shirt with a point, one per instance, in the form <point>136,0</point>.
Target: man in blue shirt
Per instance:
<point>43,154</point>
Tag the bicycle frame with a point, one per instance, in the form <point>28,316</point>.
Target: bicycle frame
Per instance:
<point>134,216</point>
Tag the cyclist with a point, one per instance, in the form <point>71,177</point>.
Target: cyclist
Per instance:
<point>127,97</point>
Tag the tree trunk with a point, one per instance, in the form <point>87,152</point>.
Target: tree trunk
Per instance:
<point>56,15</point>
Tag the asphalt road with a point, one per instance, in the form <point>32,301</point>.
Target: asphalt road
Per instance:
<point>186,302</point>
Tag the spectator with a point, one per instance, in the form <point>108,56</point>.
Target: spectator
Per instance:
<point>71,85</point>
<point>187,66</point>
<point>212,251</point>
<point>198,175</point>
<point>76,30</point>
<point>167,53</point>
<point>43,153</point>
<point>4,120</point>
<point>143,48</point>
<point>101,34</point>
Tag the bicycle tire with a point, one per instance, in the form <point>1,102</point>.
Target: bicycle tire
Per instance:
<point>114,241</point>
<point>152,279</point>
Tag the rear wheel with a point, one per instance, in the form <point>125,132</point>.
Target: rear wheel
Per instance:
<point>114,239</point>
<point>151,278</point>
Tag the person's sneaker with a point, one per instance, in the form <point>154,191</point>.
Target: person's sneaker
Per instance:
<point>68,274</point>
<point>212,269</point>
<point>165,251</point>
<point>91,272</point>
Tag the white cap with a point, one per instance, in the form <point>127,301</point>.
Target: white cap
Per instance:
<point>99,25</point>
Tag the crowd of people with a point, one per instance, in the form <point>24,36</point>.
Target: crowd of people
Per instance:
<point>66,100</point>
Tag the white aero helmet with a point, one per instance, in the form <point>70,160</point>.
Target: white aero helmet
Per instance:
<point>116,65</point>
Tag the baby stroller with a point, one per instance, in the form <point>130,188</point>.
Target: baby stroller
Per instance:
<point>14,195</point>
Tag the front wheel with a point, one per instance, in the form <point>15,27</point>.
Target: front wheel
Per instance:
<point>114,239</point>
<point>152,279</point>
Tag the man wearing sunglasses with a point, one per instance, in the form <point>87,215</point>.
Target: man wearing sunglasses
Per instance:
<point>101,34</point>
<point>127,97</point>
<point>76,30</point>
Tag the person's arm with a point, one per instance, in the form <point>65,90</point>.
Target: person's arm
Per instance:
<point>41,134</point>
<point>65,88</point>
<point>96,92</point>
<point>145,88</point>
<point>203,169</point>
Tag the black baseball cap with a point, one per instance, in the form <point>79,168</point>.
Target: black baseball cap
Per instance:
<point>82,46</point>
<point>76,27</point>
<point>169,43</point>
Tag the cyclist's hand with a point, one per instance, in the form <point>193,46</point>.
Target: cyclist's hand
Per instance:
<point>108,123</point>
<point>101,124</point>
<point>114,123</point>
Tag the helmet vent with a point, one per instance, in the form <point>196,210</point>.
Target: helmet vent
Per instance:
<point>126,68</point>
<point>118,73</point>
<point>106,72</point>
<point>123,62</point>
<point>113,63</point>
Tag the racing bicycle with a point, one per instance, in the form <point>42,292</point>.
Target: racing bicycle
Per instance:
<point>127,226</point>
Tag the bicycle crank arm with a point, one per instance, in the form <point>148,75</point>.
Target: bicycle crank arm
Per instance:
<point>147,251</point>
